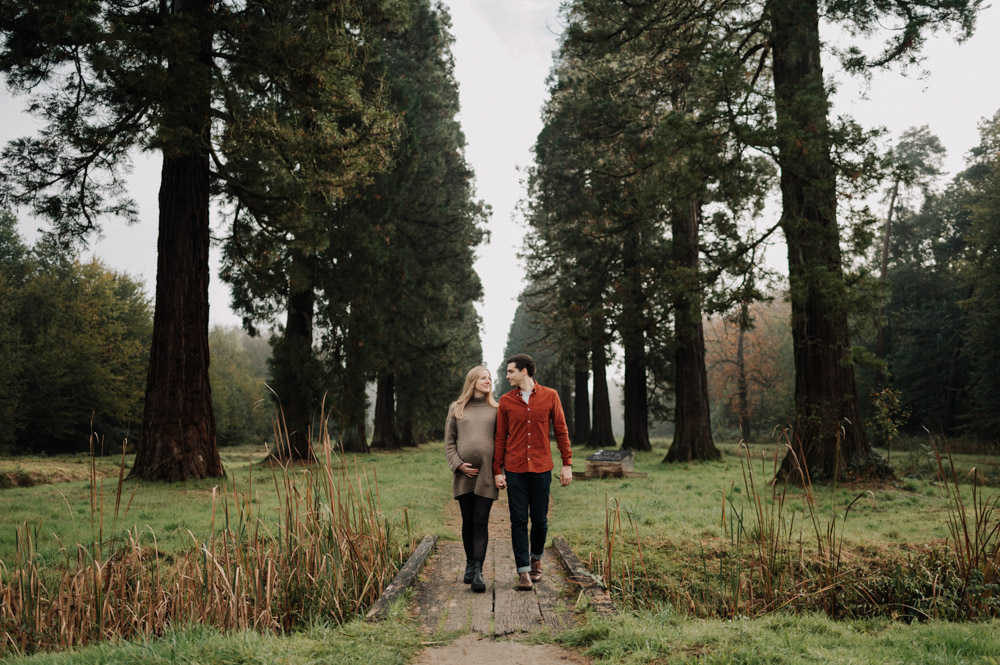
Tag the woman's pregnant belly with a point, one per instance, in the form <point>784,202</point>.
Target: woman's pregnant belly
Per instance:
<point>475,455</point>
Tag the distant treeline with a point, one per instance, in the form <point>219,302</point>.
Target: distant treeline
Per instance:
<point>74,350</point>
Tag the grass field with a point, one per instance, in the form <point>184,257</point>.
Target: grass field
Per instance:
<point>670,545</point>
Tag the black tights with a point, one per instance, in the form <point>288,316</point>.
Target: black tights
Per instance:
<point>475,525</point>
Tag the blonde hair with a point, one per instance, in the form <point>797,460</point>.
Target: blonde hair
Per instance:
<point>457,407</point>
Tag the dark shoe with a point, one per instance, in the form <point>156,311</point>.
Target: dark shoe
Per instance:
<point>536,570</point>
<point>478,583</point>
<point>469,567</point>
<point>524,582</point>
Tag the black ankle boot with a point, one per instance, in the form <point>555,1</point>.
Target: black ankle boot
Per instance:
<point>478,583</point>
<point>470,565</point>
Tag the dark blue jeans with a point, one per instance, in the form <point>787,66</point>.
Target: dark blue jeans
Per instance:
<point>528,496</point>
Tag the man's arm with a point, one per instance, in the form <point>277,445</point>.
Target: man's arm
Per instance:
<point>500,440</point>
<point>562,439</point>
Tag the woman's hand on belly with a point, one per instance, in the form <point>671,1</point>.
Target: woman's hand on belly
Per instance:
<point>468,469</point>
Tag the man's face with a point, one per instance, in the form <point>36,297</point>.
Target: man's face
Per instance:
<point>515,376</point>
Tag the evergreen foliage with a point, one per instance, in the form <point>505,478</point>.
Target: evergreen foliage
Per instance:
<point>982,202</point>
<point>940,314</point>
<point>529,335</point>
<point>421,226</point>
<point>74,341</point>
<point>214,87</point>
<point>314,127</point>
<point>657,106</point>
<point>642,135</point>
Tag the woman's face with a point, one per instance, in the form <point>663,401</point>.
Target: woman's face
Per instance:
<point>484,383</point>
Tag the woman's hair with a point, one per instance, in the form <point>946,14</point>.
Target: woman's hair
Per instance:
<point>457,407</point>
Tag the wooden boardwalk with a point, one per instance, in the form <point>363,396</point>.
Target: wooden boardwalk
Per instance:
<point>442,601</point>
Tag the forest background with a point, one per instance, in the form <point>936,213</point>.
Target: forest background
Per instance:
<point>886,92</point>
<point>319,148</point>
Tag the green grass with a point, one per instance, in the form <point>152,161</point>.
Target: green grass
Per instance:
<point>674,503</point>
<point>677,511</point>
<point>667,639</point>
<point>176,512</point>
<point>391,643</point>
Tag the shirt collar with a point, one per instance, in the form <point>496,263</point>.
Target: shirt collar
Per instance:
<point>533,390</point>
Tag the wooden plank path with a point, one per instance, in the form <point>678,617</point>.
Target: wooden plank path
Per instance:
<point>443,602</point>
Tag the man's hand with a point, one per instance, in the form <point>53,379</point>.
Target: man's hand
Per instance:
<point>566,476</point>
<point>500,481</point>
<point>468,469</point>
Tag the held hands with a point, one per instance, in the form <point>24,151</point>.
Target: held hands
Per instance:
<point>468,469</point>
<point>500,481</point>
<point>566,476</point>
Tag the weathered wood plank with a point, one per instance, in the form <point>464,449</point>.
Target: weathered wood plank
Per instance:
<point>481,604</point>
<point>404,578</point>
<point>555,614</point>
<point>437,584</point>
<point>579,575</point>
<point>457,606</point>
<point>513,611</point>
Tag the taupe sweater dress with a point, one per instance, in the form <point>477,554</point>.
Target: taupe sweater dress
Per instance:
<point>470,439</point>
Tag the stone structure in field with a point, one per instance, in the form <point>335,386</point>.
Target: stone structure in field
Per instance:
<point>611,464</point>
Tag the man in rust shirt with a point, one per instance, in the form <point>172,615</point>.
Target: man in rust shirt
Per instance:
<point>522,461</point>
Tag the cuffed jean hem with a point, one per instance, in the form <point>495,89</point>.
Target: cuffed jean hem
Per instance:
<point>527,569</point>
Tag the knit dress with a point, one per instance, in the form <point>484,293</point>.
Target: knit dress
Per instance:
<point>470,439</point>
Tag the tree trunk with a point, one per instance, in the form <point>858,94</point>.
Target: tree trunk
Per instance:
<point>827,436</point>
<point>295,374</point>
<point>636,435</point>
<point>353,400</point>
<point>692,420</point>
<point>954,389</point>
<point>742,396</point>
<point>406,432</point>
<point>581,397</point>
<point>406,436</point>
<point>883,275</point>
<point>178,426</point>
<point>384,428</point>
<point>568,404</point>
<point>601,434</point>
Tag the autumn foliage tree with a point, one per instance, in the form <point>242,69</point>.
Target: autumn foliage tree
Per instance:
<point>750,370</point>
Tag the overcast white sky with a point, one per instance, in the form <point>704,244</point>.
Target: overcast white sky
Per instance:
<point>503,54</point>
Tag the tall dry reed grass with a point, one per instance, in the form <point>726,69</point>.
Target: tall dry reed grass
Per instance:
<point>775,555</point>
<point>974,535</point>
<point>329,554</point>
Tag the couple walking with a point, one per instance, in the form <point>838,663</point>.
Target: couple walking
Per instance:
<point>510,438</point>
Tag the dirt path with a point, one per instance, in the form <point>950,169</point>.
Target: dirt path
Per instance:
<point>475,650</point>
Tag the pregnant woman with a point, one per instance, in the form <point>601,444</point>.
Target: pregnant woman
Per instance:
<point>468,446</point>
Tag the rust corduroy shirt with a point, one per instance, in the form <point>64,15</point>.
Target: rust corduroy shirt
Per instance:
<point>522,440</point>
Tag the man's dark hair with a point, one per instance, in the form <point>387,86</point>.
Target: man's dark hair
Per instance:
<point>523,361</point>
